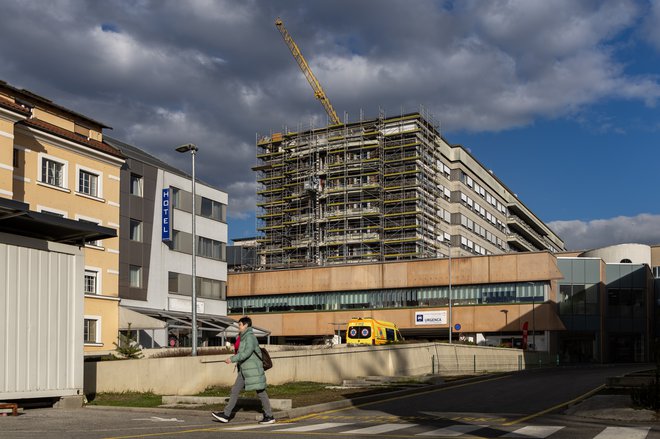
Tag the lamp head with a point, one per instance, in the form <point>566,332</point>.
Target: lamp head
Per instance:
<point>187,147</point>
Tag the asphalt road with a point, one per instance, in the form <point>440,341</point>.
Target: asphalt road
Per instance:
<point>520,405</point>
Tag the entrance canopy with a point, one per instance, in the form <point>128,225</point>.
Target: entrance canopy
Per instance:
<point>222,325</point>
<point>16,218</point>
<point>129,319</point>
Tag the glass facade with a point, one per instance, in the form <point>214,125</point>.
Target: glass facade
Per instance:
<point>615,300</point>
<point>391,298</point>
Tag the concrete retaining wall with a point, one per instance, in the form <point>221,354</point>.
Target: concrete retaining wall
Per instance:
<point>191,375</point>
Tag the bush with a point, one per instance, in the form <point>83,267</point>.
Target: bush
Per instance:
<point>185,352</point>
<point>646,396</point>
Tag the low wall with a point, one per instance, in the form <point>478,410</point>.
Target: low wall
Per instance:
<point>191,375</point>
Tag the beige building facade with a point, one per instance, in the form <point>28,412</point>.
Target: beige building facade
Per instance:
<point>493,298</point>
<point>55,160</point>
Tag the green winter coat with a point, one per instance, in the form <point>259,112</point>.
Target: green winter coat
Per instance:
<point>249,364</point>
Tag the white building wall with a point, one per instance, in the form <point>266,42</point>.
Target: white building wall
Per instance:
<point>615,254</point>
<point>41,318</point>
<point>163,260</point>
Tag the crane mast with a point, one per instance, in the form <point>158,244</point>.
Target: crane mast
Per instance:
<point>307,71</point>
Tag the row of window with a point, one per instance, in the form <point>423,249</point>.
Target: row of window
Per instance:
<point>92,279</point>
<point>484,213</point>
<point>582,300</point>
<point>206,247</point>
<point>473,247</point>
<point>481,231</point>
<point>483,193</point>
<point>179,283</point>
<point>54,172</point>
<point>391,298</point>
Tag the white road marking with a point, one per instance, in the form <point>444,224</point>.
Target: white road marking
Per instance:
<point>315,427</point>
<point>378,429</point>
<point>158,419</point>
<point>250,427</point>
<point>537,431</point>
<point>623,433</point>
<point>454,430</point>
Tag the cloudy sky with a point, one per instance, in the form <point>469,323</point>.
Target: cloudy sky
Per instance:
<point>560,99</point>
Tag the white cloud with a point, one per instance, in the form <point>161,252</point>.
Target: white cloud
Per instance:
<point>214,72</point>
<point>585,235</point>
<point>651,25</point>
<point>243,198</point>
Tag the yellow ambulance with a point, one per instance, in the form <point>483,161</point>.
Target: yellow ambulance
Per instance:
<point>369,331</point>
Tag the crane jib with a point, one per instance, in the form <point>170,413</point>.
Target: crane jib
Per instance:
<point>307,71</point>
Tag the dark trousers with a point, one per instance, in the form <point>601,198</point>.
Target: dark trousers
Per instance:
<point>238,386</point>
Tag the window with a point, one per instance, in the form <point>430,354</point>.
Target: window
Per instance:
<point>179,283</point>
<point>206,247</point>
<point>91,331</point>
<point>135,276</point>
<point>95,243</point>
<point>91,282</point>
<point>182,241</point>
<point>212,209</point>
<point>88,183</point>
<point>135,233</point>
<point>15,158</point>
<point>176,197</point>
<point>210,248</point>
<point>136,185</point>
<point>48,212</point>
<point>52,172</point>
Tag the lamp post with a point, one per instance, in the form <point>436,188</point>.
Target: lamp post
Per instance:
<point>506,323</point>
<point>533,312</point>
<point>183,149</point>
<point>450,320</point>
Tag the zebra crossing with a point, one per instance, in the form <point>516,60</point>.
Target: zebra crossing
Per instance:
<point>352,429</point>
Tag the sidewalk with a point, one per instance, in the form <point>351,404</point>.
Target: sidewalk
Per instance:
<point>611,408</point>
<point>594,406</point>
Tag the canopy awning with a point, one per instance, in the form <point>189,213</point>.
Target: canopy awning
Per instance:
<point>205,322</point>
<point>129,319</point>
<point>16,218</point>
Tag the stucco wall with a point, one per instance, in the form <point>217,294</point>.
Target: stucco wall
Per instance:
<point>614,254</point>
<point>191,375</point>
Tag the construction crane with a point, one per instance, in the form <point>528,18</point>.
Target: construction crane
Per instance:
<point>302,63</point>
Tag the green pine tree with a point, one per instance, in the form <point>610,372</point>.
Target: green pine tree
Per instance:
<point>128,347</point>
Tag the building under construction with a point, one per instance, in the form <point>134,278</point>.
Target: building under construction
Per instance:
<point>383,189</point>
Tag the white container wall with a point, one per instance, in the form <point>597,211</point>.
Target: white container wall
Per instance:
<point>41,318</point>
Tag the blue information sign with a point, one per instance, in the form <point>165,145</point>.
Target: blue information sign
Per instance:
<point>167,216</point>
<point>457,327</point>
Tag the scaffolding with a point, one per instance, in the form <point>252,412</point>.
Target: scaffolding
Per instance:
<point>359,192</point>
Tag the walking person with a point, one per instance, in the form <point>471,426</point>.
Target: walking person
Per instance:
<point>251,375</point>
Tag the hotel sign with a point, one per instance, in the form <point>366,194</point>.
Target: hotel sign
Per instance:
<point>167,215</point>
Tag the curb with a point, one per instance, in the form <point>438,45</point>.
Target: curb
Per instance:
<point>306,410</point>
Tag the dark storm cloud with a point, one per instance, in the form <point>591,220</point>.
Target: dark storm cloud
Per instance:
<point>215,73</point>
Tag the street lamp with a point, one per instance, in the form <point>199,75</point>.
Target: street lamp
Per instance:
<point>506,322</point>
<point>450,320</point>
<point>183,149</point>
<point>533,312</point>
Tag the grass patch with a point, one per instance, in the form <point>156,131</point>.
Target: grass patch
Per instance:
<point>301,394</point>
<point>125,399</point>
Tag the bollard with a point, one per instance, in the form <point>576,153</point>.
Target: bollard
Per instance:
<point>432,364</point>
